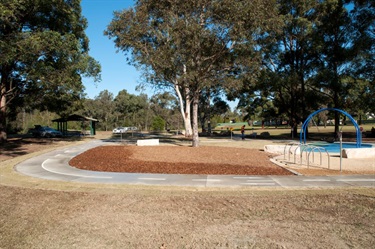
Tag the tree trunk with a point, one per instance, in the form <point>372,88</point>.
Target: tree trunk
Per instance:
<point>185,110</point>
<point>209,115</point>
<point>3,134</point>
<point>195,121</point>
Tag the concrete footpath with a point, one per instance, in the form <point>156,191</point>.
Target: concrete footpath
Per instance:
<point>54,165</point>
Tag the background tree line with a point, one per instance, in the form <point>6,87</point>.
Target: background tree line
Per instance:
<point>160,112</point>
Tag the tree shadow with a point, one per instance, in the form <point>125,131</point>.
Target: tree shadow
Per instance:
<point>19,145</point>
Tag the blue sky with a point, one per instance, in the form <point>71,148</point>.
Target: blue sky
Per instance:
<point>116,73</point>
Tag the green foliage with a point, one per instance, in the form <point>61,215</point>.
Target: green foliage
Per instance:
<point>158,124</point>
<point>189,46</point>
<point>322,55</point>
<point>103,108</point>
<point>26,120</point>
<point>343,39</point>
<point>165,105</point>
<point>130,108</point>
<point>211,104</point>
<point>44,53</point>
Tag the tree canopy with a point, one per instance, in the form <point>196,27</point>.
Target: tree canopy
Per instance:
<point>43,54</point>
<point>189,46</point>
<point>323,56</point>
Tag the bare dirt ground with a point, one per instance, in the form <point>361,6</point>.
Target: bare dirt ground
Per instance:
<point>36,213</point>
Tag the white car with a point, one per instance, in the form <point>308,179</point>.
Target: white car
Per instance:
<point>119,130</point>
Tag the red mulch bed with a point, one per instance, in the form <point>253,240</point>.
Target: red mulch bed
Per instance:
<point>178,160</point>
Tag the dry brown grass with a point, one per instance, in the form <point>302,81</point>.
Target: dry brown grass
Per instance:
<point>153,217</point>
<point>36,213</point>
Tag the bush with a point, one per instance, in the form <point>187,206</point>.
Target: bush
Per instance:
<point>158,124</point>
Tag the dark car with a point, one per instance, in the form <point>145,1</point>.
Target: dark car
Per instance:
<point>45,131</point>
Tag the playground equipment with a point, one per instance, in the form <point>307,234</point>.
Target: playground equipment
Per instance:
<point>307,121</point>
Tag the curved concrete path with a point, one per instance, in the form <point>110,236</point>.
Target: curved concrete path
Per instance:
<point>55,166</point>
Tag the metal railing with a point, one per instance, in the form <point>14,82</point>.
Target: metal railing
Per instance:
<point>309,150</point>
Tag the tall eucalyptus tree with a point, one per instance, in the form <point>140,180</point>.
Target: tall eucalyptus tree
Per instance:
<point>188,46</point>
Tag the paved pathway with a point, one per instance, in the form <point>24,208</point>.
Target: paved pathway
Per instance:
<point>54,166</point>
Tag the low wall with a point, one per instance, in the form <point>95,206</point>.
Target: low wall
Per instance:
<point>148,142</point>
<point>359,153</point>
<point>279,149</point>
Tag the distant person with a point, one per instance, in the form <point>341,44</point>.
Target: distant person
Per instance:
<point>243,132</point>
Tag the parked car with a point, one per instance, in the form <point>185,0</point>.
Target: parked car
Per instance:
<point>119,130</point>
<point>45,131</point>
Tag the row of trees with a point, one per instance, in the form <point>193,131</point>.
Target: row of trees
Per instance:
<point>133,110</point>
<point>288,57</point>
<point>158,113</point>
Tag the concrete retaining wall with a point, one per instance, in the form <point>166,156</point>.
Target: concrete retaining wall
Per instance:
<point>148,142</point>
<point>274,149</point>
<point>279,149</point>
<point>359,153</point>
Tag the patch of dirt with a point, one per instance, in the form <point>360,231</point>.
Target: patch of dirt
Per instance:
<point>178,160</point>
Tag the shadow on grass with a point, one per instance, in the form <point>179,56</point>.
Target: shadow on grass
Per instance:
<point>18,145</point>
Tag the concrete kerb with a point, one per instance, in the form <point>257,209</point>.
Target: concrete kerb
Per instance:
<point>284,166</point>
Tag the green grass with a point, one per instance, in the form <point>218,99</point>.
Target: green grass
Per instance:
<point>283,132</point>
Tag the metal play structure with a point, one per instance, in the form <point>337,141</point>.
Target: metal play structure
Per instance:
<point>307,121</point>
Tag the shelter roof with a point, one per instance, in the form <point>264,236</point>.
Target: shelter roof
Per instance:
<point>75,117</point>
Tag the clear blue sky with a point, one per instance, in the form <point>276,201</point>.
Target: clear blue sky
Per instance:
<point>116,73</point>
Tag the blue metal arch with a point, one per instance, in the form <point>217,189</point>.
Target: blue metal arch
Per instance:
<point>307,121</point>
